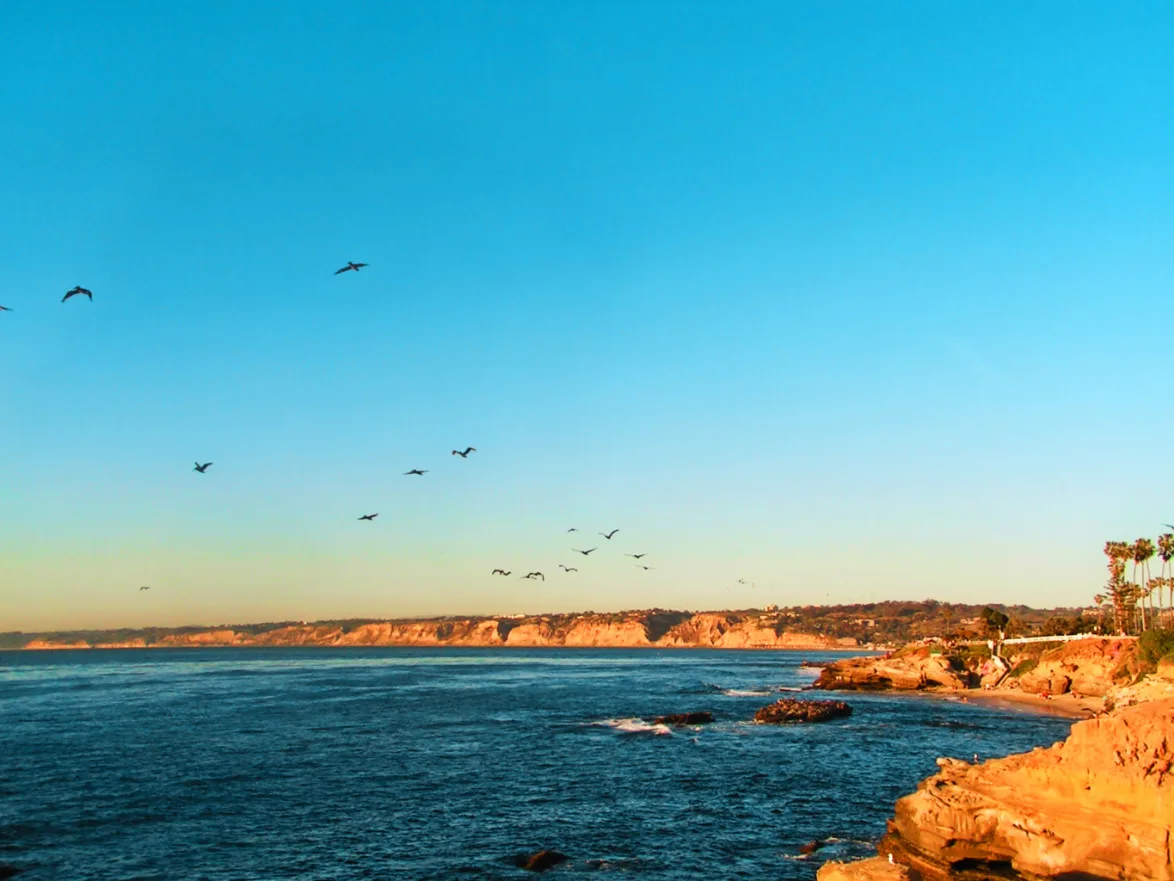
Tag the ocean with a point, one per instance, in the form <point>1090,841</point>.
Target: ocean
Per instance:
<point>384,763</point>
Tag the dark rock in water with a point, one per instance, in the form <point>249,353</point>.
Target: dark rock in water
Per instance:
<point>810,847</point>
<point>702,718</point>
<point>794,710</point>
<point>541,861</point>
<point>7,871</point>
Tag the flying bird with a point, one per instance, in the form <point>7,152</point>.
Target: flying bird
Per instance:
<point>148,587</point>
<point>1168,526</point>
<point>78,290</point>
<point>350,267</point>
<point>4,309</point>
<point>465,454</point>
<point>369,516</point>
<point>642,566</point>
<point>201,468</point>
<point>584,553</point>
<point>636,556</point>
<point>500,572</point>
<point>572,529</point>
<point>416,471</point>
<point>533,575</point>
<point>608,535</point>
<point>567,568</point>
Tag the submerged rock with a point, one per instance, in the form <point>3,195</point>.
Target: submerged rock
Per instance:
<point>541,861</point>
<point>795,710</point>
<point>700,718</point>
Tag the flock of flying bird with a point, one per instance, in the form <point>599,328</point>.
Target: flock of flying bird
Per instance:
<point>202,467</point>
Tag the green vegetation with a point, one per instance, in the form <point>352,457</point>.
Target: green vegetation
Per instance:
<point>1135,604</point>
<point>1024,666</point>
<point>1154,646</point>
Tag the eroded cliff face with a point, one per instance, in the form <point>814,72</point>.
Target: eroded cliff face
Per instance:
<point>656,628</point>
<point>1098,805</point>
<point>906,671</point>
<point>1086,666</point>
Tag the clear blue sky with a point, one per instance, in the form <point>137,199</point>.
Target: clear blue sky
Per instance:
<point>850,300</point>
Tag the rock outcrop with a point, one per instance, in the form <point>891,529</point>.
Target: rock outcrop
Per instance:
<point>700,718</point>
<point>874,869</point>
<point>1086,666</point>
<point>793,710</point>
<point>909,670</point>
<point>1099,805</point>
<point>541,861</point>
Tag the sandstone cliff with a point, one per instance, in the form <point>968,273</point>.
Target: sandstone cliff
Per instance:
<point>906,670</point>
<point>1100,805</point>
<point>1087,666</point>
<point>650,629</point>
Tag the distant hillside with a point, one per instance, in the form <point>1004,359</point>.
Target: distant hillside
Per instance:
<point>800,627</point>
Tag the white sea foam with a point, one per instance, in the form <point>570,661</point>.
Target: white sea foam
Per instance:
<point>633,726</point>
<point>745,692</point>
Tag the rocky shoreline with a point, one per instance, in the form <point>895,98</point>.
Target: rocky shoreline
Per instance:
<point>1099,805</point>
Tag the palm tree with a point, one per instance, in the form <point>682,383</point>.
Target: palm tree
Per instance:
<point>1143,552</point>
<point>1166,552</point>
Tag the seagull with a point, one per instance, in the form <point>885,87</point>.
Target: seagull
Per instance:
<point>500,572</point>
<point>201,468</point>
<point>890,858</point>
<point>567,568</point>
<point>533,575</point>
<point>465,454</point>
<point>584,553</point>
<point>148,587</point>
<point>350,267</point>
<point>608,535</point>
<point>642,566</point>
<point>416,471</point>
<point>78,289</point>
<point>636,556</point>
<point>572,529</point>
<point>369,516</point>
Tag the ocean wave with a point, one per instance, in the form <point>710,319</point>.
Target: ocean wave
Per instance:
<point>745,692</point>
<point>632,726</point>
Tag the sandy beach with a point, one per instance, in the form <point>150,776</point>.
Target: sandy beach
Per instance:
<point>1061,705</point>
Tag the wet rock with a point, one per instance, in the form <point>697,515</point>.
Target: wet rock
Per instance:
<point>701,718</point>
<point>541,861</point>
<point>794,710</point>
<point>810,847</point>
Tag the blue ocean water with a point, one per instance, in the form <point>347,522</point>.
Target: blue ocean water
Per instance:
<point>226,764</point>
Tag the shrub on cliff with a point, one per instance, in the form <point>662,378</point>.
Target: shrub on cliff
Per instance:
<point>1153,646</point>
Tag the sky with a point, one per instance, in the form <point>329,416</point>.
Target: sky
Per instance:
<point>849,301</point>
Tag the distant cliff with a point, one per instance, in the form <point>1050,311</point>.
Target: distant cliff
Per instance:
<point>644,629</point>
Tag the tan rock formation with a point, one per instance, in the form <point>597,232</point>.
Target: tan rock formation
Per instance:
<point>1099,805</point>
<point>1086,666</point>
<point>874,869</point>
<point>42,644</point>
<point>907,671</point>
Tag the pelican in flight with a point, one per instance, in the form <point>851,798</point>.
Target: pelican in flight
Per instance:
<point>369,516</point>
<point>608,535</point>
<point>533,575</point>
<point>416,471</point>
<point>500,572</point>
<point>465,454</point>
<point>572,529</point>
<point>584,553</point>
<point>642,566</point>
<point>78,290</point>
<point>148,587</point>
<point>201,468</point>
<point>567,568</point>
<point>4,309</point>
<point>636,556</point>
<point>350,267</point>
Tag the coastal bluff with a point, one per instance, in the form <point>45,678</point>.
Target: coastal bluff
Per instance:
<point>638,629</point>
<point>1097,805</point>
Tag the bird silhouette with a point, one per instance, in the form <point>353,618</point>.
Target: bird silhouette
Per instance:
<point>533,575</point>
<point>201,468</point>
<point>78,290</point>
<point>465,454</point>
<point>500,572</point>
<point>635,556</point>
<point>567,568</point>
<point>608,535</point>
<point>572,529</point>
<point>416,471</point>
<point>148,587</point>
<point>4,309</point>
<point>369,516</point>
<point>1168,526</point>
<point>642,566</point>
<point>350,267</point>
<point>584,553</point>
